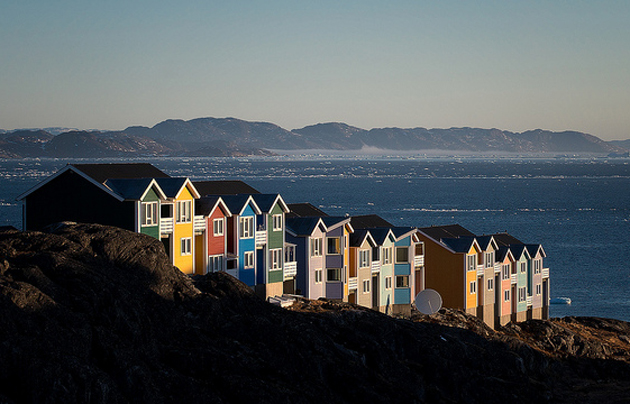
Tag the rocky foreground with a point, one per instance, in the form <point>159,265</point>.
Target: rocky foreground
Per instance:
<point>94,314</point>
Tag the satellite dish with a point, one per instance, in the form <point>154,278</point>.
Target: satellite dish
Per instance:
<point>428,301</point>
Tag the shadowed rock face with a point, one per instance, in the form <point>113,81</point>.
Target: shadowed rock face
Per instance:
<point>97,314</point>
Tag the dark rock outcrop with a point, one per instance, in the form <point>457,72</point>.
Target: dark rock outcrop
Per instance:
<point>97,314</point>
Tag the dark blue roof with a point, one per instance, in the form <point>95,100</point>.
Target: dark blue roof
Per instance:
<point>369,221</point>
<point>265,201</point>
<point>459,244</point>
<point>304,210</point>
<point>449,231</point>
<point>358,237</point>
<point>235,203</point>
<point>129,188</point>
<point>204,205</point>
<point>330,221</point>
<point>302,226</point>
<point>379,234</point>
<point>171,186</point>
<point>223,188</point>
<point>102,172</point>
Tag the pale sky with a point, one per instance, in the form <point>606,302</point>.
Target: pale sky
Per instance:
<point>512,65</point>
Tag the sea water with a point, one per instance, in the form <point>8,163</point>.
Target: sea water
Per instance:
<point>577,208</point>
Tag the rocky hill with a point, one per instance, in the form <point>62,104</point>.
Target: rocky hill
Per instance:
<point>97,314</point>
<point>234,137</point>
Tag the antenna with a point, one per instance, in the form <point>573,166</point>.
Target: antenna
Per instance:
<point>428,301</point>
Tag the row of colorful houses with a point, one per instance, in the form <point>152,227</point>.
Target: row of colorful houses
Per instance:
<point>278,248</point>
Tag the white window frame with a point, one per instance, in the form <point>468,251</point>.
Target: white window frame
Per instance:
<point>275,258</point>
<point>364,258</point>
<point>366,286</point>
<point>537,266</point>
<point>149,212</point>
<point>246,227</point>
<point>186,246</point>
<point>472,289</point>
<point>402,261</point>
<point>489,259</point>
<point>405,283</point>
<point>387,255</point>
<point>277,222</point>
<point>506,295</point>
<point>183,212</point>
<point>471,262</point>
<point>316,247</point>
<point>218,227</point>
<point>505,269</point>
<point>318,275</point>
<point>522,294</point>
<point>215,263</point>
<point>388,282</point>
<point>538,289</point>
<point>490,283</point>
<point>248,259</point>
<point>523,267</point>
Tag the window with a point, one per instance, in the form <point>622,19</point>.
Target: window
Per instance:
<point>366,286</point>
<point>506,295</point>
<point>215,263</point>
<point>388,282</point>
<point>183,212</point>
<point>506,271</point>
<point>217,227</point>
<point>402,281</point>
<point>473,287</point>
<point>402,255</point>
<point>334,245</point>
<point>471,262</point>
<point>522,294</point>
<point>364,258</point>
<point>316,247</point>
<point>246,227</point>
<point>318,276</point>
<point>186,246</point>
<point>387,255</point>
<point>277,222</point>
<point>149,212</point>
<point>489,259</point>
<point>537,266</point>
<point>491,284</point>
<point>276,258</point>
<point>538,289</point>
<point>249,259</point>
<point>419,249</point>
<point>523,267</point>
<point>333,274</point>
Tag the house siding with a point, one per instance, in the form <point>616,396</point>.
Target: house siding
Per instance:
<point>185,262</point>
<point>153,231</point>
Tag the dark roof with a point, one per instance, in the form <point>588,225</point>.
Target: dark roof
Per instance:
<point>129,188</point>
<point>358,237</point>
<point>505,239</point>
<point>369,221</point>
<point>171,185</point>
<point>302,226</point>
<point>401,231</point>
<point>304,209</point>
<point>484,241</point>
<point>502,253</point>
<point>459,244</point>
<point>223,188</point>
<point>379,234</point>
<point>265,201</point>
<point>235,203</point>
<point>102,172</point>
<point>331,221</point>
<point>449,231</point>
<point>205,204</point>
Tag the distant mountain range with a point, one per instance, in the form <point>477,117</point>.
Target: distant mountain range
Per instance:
<point>234,137</point>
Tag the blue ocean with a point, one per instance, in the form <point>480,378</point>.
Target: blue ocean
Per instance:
<point>577,208</point>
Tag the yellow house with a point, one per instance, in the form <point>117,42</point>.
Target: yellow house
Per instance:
<point>177,222</point>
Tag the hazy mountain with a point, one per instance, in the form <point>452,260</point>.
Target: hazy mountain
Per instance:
<point>236,137</point>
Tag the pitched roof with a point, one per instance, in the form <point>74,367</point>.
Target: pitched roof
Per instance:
<point>237,203</point>
<point>449,231</point>
<point>369,221</point>
<point>207,204</point>
<point>305,209</point>
<point>505,239</point>
<point>360,236</point>
<point>485,241</point>
<point>332,222</point>
<point>102,172</point>
<point>133,188</point>
<point>459,244</point>
<point>380,234</point>
<point>266,202</point>
<point>172,186</point>
<point>303,226</point>
<point>227,187</point>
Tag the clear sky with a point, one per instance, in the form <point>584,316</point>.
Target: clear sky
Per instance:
<point>510,64</point>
